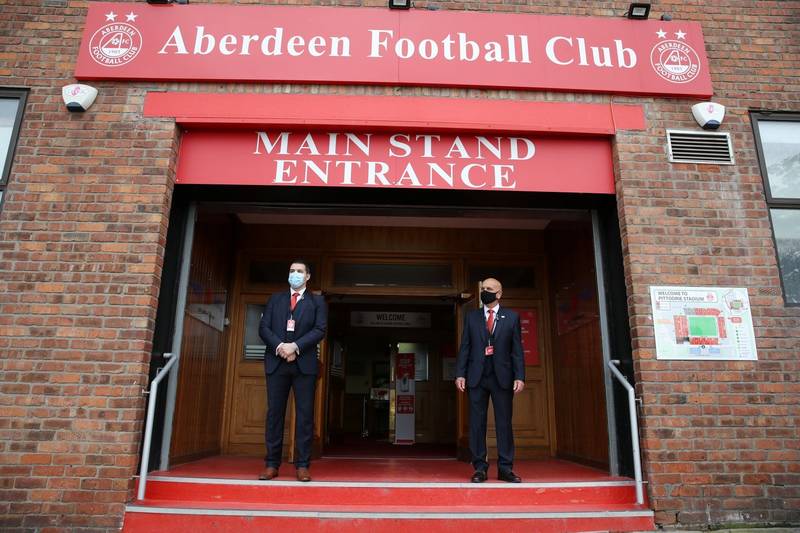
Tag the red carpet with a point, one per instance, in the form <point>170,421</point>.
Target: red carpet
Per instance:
<point>371,448</point>
<point>393,469</point>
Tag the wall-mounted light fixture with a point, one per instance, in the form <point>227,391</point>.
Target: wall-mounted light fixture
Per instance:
<point>399,4</point>
<point>638,11</point>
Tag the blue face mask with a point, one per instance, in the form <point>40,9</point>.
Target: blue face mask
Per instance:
<point>296,280</point>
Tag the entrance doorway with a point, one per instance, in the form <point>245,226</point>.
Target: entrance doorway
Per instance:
<point>430,266</point>
<point>372,269</point>
<point>365,336</point>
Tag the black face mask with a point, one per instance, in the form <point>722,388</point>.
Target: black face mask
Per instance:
<point>488,297</point>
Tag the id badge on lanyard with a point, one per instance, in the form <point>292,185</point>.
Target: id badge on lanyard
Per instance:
<point>290,325</point>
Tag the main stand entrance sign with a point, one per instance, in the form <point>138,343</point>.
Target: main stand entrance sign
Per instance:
<point>401,160</point>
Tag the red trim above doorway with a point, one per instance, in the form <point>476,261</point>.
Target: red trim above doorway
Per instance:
<point>377,113</point>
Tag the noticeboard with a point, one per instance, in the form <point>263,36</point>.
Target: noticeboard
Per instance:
<point>703,323</point>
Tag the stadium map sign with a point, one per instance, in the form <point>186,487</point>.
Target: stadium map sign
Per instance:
<point>703,323</point>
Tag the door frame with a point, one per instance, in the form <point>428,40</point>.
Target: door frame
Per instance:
<point>605,338</point>
<point>399,335</point>
<point>177,335</point>
<point>322,275</point>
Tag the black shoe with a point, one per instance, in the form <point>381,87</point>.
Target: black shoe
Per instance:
<point>479,476</point>
<point>509,476</point>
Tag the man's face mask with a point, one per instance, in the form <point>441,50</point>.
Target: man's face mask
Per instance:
<point>488,297</point>
<point>296,279</point>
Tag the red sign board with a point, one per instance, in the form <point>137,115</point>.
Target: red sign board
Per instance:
<point>405,405</point>
<point>404,377</point>
<point>396,160</point>
<point>528,319</point>
<point>137,41</point>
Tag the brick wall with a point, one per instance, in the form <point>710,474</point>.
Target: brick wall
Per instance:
<point>720,439</point>
<point>82,237</point>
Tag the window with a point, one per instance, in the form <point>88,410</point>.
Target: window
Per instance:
<point>253,345</point>
<point>778,144</point>
<point>392,275</point>
<point>12,102</point>
<point>271,271</point>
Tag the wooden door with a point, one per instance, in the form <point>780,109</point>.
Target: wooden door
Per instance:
<point>532,407</point>
<point>462,402</point>
<point>336,413</point>
<point>581,428</point>
<point>320,403</point>
<point>532,419</point>
<point>248,399</point>
<point>444,396</point>
<point>199,401</point>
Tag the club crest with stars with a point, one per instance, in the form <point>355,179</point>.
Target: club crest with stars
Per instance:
<point>673,59</point>
<point>116,43</point>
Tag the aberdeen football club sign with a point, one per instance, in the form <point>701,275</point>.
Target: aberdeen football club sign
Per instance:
<point>137,41</point>
<point>396,160</point>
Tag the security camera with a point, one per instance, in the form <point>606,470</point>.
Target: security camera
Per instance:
<point>78,97</point>
<point>708,114</point>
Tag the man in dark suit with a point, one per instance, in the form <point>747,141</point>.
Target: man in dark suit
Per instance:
<point>292,326</point>
<point>491,364</point>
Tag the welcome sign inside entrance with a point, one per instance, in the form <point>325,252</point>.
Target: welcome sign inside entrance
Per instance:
<point>396,160</point>
<point>171,42</point>
<point>389,319</point>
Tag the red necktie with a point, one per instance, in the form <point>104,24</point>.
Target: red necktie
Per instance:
<point>490,321</point>
<point>295,295</point>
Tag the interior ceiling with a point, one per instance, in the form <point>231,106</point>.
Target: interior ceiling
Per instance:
<point>399,216</point>
<point>310,219</point>
<point>388,215</point>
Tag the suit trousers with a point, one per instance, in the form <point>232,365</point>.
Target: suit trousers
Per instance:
<point>286,377</point>
<point>502,401</point>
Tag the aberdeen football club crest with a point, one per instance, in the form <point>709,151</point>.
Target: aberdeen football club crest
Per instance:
<point>116,43</point>
<point>674,60</point>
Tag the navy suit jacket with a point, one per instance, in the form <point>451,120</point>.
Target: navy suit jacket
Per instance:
<point>311,321</point>
<point>508,358</point>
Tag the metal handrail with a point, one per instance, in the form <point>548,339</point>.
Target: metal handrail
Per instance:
<point>637,461</point>
<point>148,427</point>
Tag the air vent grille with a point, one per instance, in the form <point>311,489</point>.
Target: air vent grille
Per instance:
<point>696,147</point>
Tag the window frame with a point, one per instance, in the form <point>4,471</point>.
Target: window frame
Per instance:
<point>21,95</point>
<point>756,117</point>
